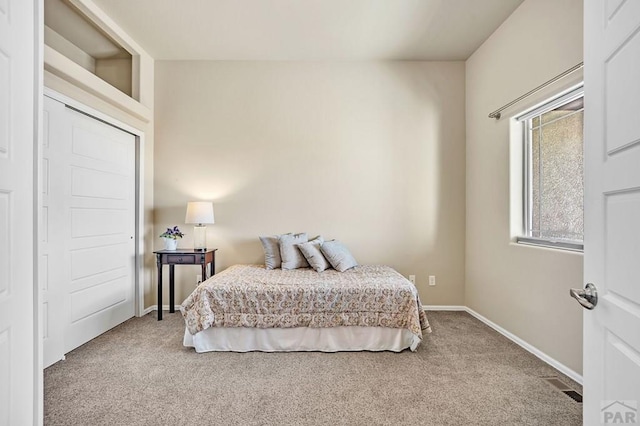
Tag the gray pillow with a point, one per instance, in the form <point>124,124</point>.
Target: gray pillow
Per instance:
<point>272,259</point>
<point>338,255</point>
<point>291,255</point>
<point>311,251</point>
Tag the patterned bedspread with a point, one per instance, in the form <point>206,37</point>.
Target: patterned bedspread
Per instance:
<point>252,296</point>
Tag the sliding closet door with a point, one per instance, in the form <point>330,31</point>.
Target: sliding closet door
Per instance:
<point>101,174</point>
<point>53,236</point>
<point>91,211</point>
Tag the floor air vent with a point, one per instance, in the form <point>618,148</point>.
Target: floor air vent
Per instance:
<point>573,395</point>
<point>559,384</point>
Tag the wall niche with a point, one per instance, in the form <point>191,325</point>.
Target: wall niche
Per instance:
<point>73,35</point>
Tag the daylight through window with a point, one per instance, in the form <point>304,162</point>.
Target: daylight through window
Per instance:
<point>553,155</point>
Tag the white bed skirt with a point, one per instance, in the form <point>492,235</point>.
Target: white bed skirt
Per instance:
<point>333,339</point>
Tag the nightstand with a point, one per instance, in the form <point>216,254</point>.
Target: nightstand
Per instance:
<point>181,257</point>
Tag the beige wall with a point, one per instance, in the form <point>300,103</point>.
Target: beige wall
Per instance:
<point>369,153</point>
<point>521,288</point>
<point>116,72</point>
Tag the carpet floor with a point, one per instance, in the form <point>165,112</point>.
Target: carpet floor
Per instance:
<point>464,373</point>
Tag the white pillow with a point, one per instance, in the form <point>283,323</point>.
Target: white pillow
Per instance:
<point>291,255</point>
<point>338,255</point>
<point>272,259</point>
<point>311,251</point>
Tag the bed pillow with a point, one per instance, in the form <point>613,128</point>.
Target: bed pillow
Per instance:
<point>271,246</point>
<point>311,251</point>
<point>291,255</point>
<point>338,255</point>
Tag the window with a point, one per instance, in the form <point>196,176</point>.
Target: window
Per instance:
<point>553,179</point>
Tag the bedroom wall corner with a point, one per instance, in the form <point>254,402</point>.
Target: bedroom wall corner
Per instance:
<point>522,289</point>
<point>370,153</point>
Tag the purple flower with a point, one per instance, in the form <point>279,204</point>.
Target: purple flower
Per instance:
<point>172,233</point>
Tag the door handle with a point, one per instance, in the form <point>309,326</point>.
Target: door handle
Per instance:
<point>588,297</point>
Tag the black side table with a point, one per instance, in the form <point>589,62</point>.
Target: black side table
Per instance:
<point>181,257</point>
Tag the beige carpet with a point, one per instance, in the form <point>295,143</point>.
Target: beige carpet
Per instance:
<point>464,373</point>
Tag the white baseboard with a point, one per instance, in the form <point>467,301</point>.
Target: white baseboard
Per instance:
<point>444,308</point>
<point>524,345</point>
<point>155,308</point>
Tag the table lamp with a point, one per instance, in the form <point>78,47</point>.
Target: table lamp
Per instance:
<point>199,213</point>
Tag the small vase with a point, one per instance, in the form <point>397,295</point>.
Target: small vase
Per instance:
<point>170,243</point>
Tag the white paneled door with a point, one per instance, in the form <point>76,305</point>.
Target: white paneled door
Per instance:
<point>51,288</point>
<point>90,207</point>
<point>612,211</point>
<point>17,136</point>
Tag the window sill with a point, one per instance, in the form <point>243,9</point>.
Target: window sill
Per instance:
<point>560,245</point>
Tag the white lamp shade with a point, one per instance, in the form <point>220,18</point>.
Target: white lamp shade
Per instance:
<point>199,212</point>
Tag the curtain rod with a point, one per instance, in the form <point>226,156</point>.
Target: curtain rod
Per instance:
<point>496,114</point>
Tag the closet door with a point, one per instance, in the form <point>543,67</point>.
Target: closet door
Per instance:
<point>52,265</point>
<point>91,249</point>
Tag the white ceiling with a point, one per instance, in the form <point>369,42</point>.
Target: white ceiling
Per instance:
<point>309,29</point>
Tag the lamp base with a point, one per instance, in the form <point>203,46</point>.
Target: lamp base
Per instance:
<point>200,237</point>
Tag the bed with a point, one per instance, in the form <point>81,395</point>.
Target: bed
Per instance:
<point>250,308</point>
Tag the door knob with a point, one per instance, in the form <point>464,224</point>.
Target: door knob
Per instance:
<point>588,297</point>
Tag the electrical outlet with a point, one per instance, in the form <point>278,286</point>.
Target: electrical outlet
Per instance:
<point>412,278</point>
<point>198,279</point>
<point>432,280</point>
